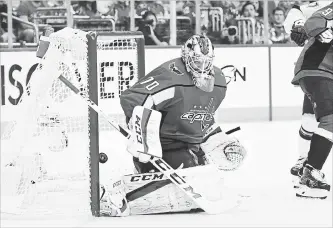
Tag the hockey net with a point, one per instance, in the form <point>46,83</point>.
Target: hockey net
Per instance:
<point>51,141</point>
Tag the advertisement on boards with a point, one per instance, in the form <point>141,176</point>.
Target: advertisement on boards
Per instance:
<point>251,73</point>
<point>16,70</point>
<point>248,87</point>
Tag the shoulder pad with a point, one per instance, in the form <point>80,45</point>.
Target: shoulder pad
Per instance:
<point>219,77</point>
<point>313,4</point>
<point>169,74</point>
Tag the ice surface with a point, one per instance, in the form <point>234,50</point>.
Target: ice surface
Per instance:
<point>263,181</point>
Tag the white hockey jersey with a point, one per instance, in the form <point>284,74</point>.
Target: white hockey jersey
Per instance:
<point>302,13</point>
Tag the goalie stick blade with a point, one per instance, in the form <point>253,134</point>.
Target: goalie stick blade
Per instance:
<point>209,206</point>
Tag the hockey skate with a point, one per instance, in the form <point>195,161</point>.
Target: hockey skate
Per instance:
<point>312,184</point>
<point>297,171</point>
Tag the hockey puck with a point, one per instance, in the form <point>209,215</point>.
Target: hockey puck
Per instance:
<point>103,158</point>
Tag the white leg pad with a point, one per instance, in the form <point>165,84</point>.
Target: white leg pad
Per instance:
<point>151,193</point>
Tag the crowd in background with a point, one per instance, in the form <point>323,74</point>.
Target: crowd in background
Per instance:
<point>224,21</point>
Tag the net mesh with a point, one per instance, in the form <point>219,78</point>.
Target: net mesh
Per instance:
<point>45,145</point>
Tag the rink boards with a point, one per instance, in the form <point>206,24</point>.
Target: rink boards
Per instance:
<point>260,86</point>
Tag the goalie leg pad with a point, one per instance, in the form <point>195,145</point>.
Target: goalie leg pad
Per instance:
<point>224,151</point>
<point>151,193</point>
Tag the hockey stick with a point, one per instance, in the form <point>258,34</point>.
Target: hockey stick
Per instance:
<point>210,207</point>
<point>232,130</point>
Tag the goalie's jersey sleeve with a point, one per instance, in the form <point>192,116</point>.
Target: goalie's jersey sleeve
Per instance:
<point>187,112</point>
<point>316,58</point>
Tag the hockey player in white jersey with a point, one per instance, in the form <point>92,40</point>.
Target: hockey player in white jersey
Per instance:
<point>294,24</point>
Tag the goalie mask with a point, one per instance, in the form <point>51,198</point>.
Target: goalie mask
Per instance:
<point>198,55</point>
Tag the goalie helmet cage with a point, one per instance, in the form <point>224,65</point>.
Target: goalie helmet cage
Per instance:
<point>50,146</point>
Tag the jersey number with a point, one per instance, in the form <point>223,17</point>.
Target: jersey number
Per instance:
<point>152,83</point>
<point>327,12</point>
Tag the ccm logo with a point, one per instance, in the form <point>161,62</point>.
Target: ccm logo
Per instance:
<point>147,177</point>
<point>138,130</point>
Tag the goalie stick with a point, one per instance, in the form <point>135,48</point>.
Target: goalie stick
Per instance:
<point>210,207</point>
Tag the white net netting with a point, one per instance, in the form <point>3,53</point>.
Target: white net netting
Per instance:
<point>45,138</point>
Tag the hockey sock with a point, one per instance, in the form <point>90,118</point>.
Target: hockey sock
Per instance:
<point>308,126</point>
<point>304,140</point>
<point>319,150</point>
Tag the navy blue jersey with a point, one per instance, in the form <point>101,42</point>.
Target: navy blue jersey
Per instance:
<point>316,58</point>
<point>187,111</point>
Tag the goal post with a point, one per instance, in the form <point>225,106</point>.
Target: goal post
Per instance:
<point>51,144</point>
<point>93,125</point>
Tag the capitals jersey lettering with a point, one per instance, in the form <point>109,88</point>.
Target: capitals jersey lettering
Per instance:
<point>316,58</point>
<point>187,111</point>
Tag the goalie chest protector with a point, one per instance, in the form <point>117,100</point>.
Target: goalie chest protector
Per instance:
<point>187,111</point>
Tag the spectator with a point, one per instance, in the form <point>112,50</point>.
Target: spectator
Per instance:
<point>147,27</point>
<point>122,15</point>
<point>179,7</point>
<point>258,8</point>
<point>156,7</point>
<point>53,3</point>
<point>189,11</point>
<point>285,5</point>
<point>3,21</point>
<point>105,7</point>
<point>122,10</point>
<point>86,8</point>
<point>277,32</point>
<point>249,11</point>
<point>230,12</point>
<point>25,12</point>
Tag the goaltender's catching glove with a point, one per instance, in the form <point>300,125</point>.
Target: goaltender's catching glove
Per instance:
<point>298,34</point>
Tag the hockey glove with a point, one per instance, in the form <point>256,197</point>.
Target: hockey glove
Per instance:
<point>145,134</point>
<point>224,151</point>
<point>298,33</point>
